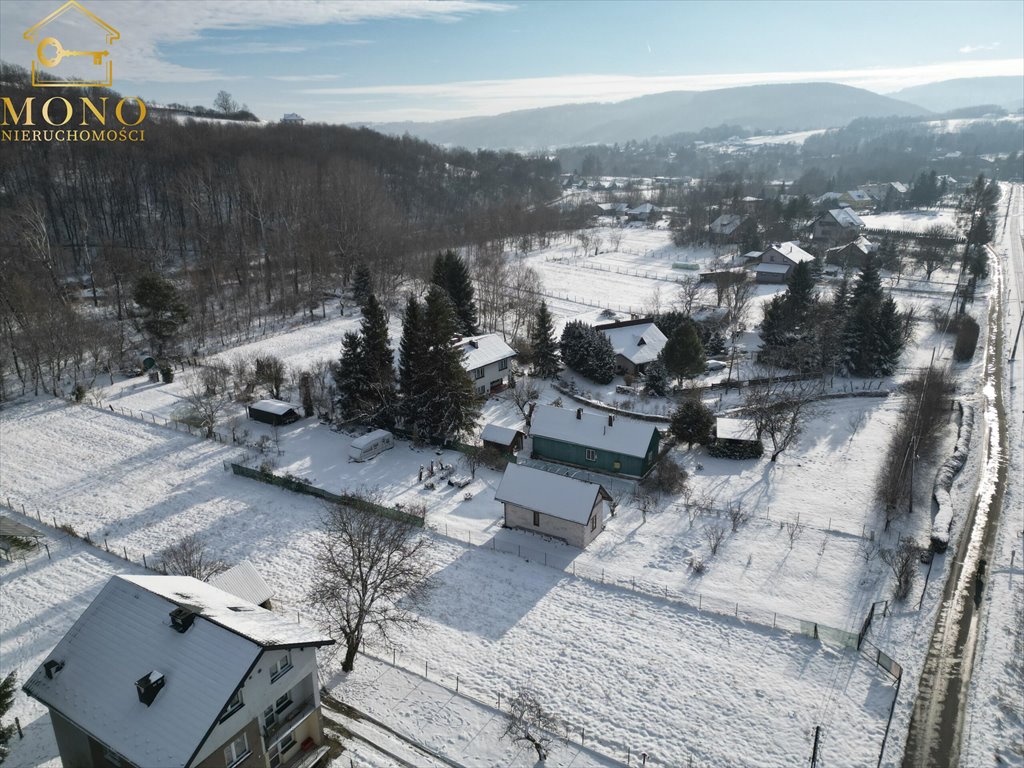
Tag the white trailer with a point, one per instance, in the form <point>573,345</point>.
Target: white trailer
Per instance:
<point>370,444</point>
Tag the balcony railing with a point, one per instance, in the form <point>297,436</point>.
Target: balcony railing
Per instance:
<point>288,721</point>
<point>307,759</point>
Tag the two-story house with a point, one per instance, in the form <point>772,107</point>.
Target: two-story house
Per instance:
<point>778,260</point>
<point>173,672</point>
<point>637,343</point>
<point>838,225</point>
<point>488,360</point>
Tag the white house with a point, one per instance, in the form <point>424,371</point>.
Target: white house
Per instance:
<point>293,119</point>
<point>554,505</point>
<point>487,359</point>
<point>643,212</point>
<point>778,260</point>
<point>637,343</point>
<point>172,671</point>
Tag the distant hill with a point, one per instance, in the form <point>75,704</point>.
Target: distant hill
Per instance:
<point>946,95</point>
<point>788,107</point>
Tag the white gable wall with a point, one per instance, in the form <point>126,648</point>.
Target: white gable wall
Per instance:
<point>572,533</point>
<point>258,693</point>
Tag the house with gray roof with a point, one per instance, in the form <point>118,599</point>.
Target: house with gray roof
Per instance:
<point>554,505</point>
<point>837,225</point>
<point>778,260</point>
<point>636,343</point>
<point>487,358</point>
<point>598,442</point>
<point>174,672</point>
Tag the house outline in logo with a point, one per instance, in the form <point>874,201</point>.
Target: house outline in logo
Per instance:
<point>36,34</point>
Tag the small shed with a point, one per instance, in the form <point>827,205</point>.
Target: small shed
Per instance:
<point>504,439</point>
<point>274,412</point>
<point>735,430</point>
<point>369,445</point>
<point>245,582</point>
<point>554,505</point>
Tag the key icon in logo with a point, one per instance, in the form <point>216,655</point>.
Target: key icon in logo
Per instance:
<point>97,56</point>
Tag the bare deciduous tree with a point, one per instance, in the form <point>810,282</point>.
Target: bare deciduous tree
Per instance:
<point>188,557</point>
<point>527,720</point>
<point>780,412</point>
<point>902,562</point>
<point>524,393</point>
<point>372,572</point>
<point>205,407</point>
<point>868,550</point>
<point>737,515</point>
<point>793,530</point>
<point>690,295</point>
<point>714,535</point>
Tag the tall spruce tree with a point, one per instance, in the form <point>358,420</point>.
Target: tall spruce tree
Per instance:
<point>872,338</point>
<point>588,352</point>
<point>8,687</point>
<point>362,284</point>
<point>413,355</point>
<point>350,378</point>
<point>543,344</point>
<point>451,273</point>
<point>378,360</point>
<point>449,404</point>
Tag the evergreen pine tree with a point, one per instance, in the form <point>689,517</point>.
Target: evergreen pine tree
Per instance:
<point>588,352</point>
<point>413,354</point>
<point>451,273</point>
<point>378,362</point>
<point>542,342</point>
<point>692,422</point>
<point>8,686</point>
<point>683,354</point>
<point>601,360</point>
<point>656,379</point>
<point>889,330</point>
<point>362,284</point>
<point>872,338</point>
<point>350,378</point>
<point>449,407</point>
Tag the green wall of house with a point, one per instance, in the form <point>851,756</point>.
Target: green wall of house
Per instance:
<point>605,461</point>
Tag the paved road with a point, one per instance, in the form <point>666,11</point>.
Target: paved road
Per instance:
<point>936,726</point>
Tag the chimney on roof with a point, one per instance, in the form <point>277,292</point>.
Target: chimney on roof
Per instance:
<point>579,414</point>
<point>182,619</point>
<point>149,686</point>
<point>52,667</point>
<point>611,419</point>
<point>474,344</point>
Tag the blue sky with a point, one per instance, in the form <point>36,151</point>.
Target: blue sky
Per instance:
<point>404,59</point>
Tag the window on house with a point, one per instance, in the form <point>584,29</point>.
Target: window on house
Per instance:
<point>112,759</point>
<point>282,703</point>
<point>278,751</point>
<point>593,522</point>
<point>536,518</point>
<point>478,373</point>
<point>269,717</point>
<point>503,364</point>
<point>236,751</point>
<point>233,706</point>
<point>591,454</point>
<point>280,666</point>
<point>481,389</point>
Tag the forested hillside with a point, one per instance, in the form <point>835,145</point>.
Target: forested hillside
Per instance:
<point>246,220</point>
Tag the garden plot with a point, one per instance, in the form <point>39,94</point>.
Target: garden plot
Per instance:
<point>910,221</point>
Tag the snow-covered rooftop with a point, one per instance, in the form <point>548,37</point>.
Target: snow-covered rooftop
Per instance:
<point>276,407</point>
<point>557,495</point>
<point>369,438</point>
<point>125,634</point>
<point>779,269</point>
<point>625,436</point>
<point>637,343</point>
<point>483,350</point>
<point>244,581</point>
<point>726,224</point>
<point>790,250</point>
<point>846,218</point>
<point>734,429</point>
<point>493,433</point>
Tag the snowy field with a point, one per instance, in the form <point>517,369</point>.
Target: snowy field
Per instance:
<point>910,221</point>
<point>493,615</point>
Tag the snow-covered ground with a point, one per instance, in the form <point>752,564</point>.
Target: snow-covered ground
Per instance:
<point>630,669</point>
<point>910,221</point>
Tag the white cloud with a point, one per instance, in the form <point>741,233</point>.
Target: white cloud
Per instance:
<point>435,101</point>
<point>304,78</point>
<point>976,48</point>
<point>148,25</point>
